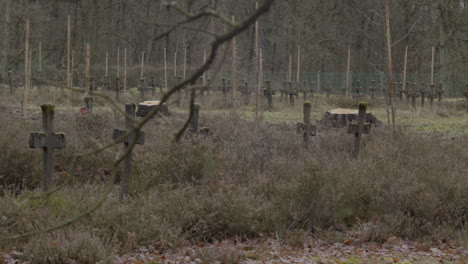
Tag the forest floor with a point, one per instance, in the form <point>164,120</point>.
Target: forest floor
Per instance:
<point>273,250</point>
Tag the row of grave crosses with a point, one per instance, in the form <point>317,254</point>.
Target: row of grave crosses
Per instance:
<point>48,141</point>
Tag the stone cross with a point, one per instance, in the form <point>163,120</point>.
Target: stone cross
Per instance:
<point>358,89</point>
<point>89,103</point>
<point>440,91</point>
<point>134,138</point>
<point>372,89</point>
<point>327,89</point>
<point>358,128</point>
<point>431,95</point>
<point>312,89</point>
<point>194,128</point>
<point>48,141</point>
<point>304,91</point>
<point>422,91</point>
<point>142,89</point>
<point>283,90</point>
<point>117,89</point>
<point>92,85</point>
<point>268,92</point>
<point>291,93</point>
<point>306,128</point>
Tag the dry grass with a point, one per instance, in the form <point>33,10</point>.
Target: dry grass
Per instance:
<point>244,180</point>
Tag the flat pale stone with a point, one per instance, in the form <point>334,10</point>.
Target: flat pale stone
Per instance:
<point>343,111</point>
<point>155,102</point>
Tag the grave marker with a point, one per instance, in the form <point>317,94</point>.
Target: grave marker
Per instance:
<point>440,91</point>
<point>372,89</point>
<point>422,91</point>
<point>142,89</point>
<point>268,92</point>
<point>194,128</point>
<point>413,95</point>
<point>48,141</point>
<point>117,89</point>
<point>137,137</point>
<point>306,128</point>
<point>291,94</point>
<point>358,128</point>
<point>358,89</point>
<point>89,104</point>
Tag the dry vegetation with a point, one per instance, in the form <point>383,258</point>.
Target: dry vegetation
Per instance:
<point>243,180</point>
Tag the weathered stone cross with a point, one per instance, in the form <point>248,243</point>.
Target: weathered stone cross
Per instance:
<point>268,92</point>
<point>440,92</point>
<point>134,138</point>
<point>372,89</point>
<point>306,128</point>
<point>194,128</point>
<point>423,91</point>
<point>358,128</point>
<point>48,141</point>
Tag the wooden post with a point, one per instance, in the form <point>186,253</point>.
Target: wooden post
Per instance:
<point>142,64</point>
<point>404,69</point>
<point>348,68</point>
<point>185,62</point>
<point>257,66</point>
<point>47,140</point>
<point>71,68</point>
<point>204,73</point>
<point>118,62</point>
<point>137,137</point>
<point>389,57</point>
<point>165,69</point>
<point>107,62</point>
<point>234,69</point>
<point>298,63</point>
<point>125,71</point>
<point>69,63</point>
<point>26,70</point>
<point>175,63</point>
<point>88,63</point>
<point>290,69</point>
<point>40,56</point>
<point>432,65</point>
<point>359,128</point>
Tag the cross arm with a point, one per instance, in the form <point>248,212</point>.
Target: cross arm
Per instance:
<point>39,140</point>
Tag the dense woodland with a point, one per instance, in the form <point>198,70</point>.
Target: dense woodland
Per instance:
<point>324,29</point>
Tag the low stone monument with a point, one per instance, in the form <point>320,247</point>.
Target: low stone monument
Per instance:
<point>147,106</point>
<point>342,117</point>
